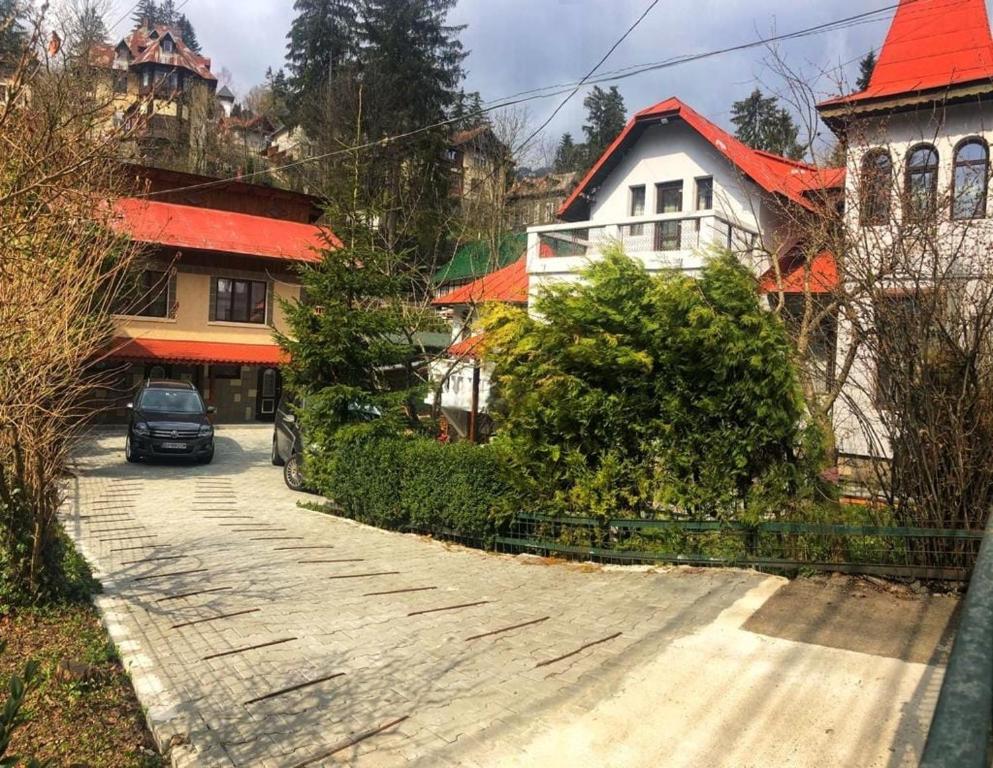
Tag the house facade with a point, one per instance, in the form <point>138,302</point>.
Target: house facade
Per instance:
<point>671,186</point>
<point>917,141</point>
<point>535,200</point>
<point>460,380</point>
<point>157,87</point>
<point>208,302</point>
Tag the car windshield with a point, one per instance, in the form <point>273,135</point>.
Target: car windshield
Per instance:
<point>171,401</point>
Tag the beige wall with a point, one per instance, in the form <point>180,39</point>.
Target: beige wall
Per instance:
<point>192,310</point>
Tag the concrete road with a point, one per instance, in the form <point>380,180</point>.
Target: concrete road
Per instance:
<point>262,634</point>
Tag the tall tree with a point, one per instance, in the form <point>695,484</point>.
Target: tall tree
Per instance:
<point>86,27</point>
<point>189,35</point>
<point>167,13</point>
<point>568,155</point>
<point>12,33</point>
<point>146,12</point>
<point>866,67</point>
<point>762,124</point>
<point>322,38</point>
<point>605,118</point>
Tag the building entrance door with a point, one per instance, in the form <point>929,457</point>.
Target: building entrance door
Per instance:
<point>270,386</point>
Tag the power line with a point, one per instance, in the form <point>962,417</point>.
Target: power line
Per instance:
<point>588,75</point>
<point>536,94</point>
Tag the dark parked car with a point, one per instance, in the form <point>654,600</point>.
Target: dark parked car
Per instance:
<point>169,420</point>
<point>287,444</point>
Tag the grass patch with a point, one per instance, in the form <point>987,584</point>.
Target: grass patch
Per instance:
<point>84,710</point>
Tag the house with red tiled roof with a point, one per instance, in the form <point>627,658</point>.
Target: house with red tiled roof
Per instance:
<point>460,379</point>
<point>219,263</point>
<point>917,135</point>
<point>672,185</point>
<point>156,85</point>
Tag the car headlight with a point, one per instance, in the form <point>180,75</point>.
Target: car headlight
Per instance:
<point>141,428</point>
<point>206,430</point>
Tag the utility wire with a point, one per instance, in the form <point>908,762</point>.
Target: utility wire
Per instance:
<point>535,94</point>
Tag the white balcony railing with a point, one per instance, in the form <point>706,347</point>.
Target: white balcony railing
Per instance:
<point>667,239</point>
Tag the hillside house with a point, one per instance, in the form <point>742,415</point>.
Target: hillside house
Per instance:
<point>219,260</point>
<point>918,140</point>
<point>460,381</point>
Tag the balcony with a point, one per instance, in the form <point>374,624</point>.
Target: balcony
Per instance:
<point>662,241</point>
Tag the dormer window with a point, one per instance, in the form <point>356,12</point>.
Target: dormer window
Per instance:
<point>167,46</point>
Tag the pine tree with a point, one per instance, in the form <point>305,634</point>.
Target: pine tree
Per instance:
<point>568,156</point>
<point>12,34</point>
<point>146,12</point>
<point>167,13</point>
<point>866,67</point>
<point>762,124</point>
<point>189,35</point>
<point>85,28</point>
<point>321,40</point>
<point>605,119</point>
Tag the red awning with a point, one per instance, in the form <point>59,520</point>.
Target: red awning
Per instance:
<point>822,275</point>
<point>181,351</point>
<point>209,229</point>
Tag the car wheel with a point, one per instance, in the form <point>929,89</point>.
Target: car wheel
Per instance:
<point>293,473</point>
<point>274,457</point>
<point>129,453</point>
<point>208,457</point>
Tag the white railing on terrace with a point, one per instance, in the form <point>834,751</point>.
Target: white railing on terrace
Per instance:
<point>673,235</point>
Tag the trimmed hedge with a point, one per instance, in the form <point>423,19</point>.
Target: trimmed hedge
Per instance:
<point>413,483</point>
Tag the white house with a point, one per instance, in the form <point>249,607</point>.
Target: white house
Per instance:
<point>461,380</point>
<point>671,184</point>
<point>917,135</point>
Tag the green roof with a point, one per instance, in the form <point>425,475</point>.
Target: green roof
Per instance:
<point>474,260</point>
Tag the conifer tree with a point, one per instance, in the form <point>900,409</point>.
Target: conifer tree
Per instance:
<point>568,156</point>
<point>605,119</point>
<point>146,12</point>
<point>762,124</point>
<point>866,67</point>
<point>167,13</point>
<point>189,35</point>
<point>12,35</point>
<point>322,39</point>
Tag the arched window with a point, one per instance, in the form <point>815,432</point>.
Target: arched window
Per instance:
<point>922,181</point>
<point>970,179</point>
<point>877,187</point>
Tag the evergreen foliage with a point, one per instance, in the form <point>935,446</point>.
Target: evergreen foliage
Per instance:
<point>85,29</point>
<point>568,156</point>
<point>188,33</point>
<point>667,391</point>
<point>605,118</point>
<point>762,124</point>
<point>415,483</point>
<point>322,39</point>
<point>866,67</point>
<point>12,33</point>
<point>147,11</point>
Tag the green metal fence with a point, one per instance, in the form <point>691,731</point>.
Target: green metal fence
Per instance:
<point>961,732</point>
<point>924,553</point>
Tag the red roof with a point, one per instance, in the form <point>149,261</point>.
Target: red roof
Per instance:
<point>468,347</point>
<point>931,44</point>
<point>821,276</point>
<point>775,174</point>
<point>144,47</point>
<point>209,229</point>
<point>181,351</point>
<point>509,284</point>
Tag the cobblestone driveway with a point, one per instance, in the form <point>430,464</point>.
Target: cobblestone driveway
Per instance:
<point>261,634</point>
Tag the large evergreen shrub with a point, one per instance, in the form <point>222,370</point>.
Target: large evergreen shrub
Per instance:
<point>627,391</point>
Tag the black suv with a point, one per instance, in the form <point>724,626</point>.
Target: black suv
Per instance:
<point>169,419</point>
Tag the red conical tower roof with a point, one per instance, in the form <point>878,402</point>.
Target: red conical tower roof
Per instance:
<point>931,44</point>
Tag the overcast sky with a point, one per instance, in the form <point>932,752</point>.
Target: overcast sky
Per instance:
<point>516,45</point>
